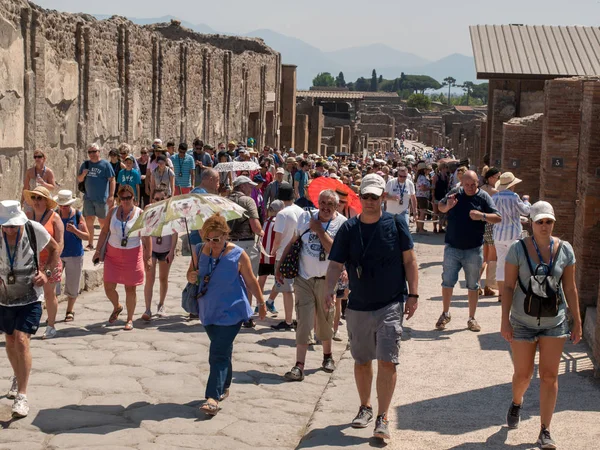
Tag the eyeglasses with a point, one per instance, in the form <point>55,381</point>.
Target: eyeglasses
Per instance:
<point>36,197</point>
<point>215,239</point>
<point>92,151</point>
<point>370,197</point>
<point>38,156</point>
<point>402,176</point>
<point>546,222</point>
<point>126,199</point>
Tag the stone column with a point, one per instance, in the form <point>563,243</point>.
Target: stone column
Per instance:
<point>339,137</point>
<point>348,138</point>
<point>315,129</point>
<point>288,106</point>
<point>301,144</point>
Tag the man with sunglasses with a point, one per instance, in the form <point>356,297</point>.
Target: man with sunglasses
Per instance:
<point>99,178</point>
<point>183,165</point>
<point>401,195</point>
<point>377,250</point>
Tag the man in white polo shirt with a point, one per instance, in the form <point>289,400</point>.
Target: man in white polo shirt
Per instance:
<point>401,195</point>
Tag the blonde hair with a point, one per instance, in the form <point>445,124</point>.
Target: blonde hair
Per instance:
<point>40,152</point>
<point>216,222</point>
<point>125,188</point>
<point>125,147</point>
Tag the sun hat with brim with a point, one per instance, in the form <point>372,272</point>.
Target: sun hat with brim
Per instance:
<point>42,192</point>
<point>65,198</point>
<point>11,214</point>
<point>506,181</point>
<point>541,210</point>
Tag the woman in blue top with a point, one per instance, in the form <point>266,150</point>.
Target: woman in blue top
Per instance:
<point>72,254</point>
<point>526,332</point>
<point>224,276</point>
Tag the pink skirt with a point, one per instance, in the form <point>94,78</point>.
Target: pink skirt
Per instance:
<point>124,266</point>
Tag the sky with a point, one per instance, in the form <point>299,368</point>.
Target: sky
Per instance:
<point>429,28</point>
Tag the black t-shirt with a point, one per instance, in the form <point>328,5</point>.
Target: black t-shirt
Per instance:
<point>463,232</point>
<point>383,280</point>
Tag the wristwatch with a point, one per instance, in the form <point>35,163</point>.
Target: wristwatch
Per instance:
<point>48,272</point>
<point>413,296</point>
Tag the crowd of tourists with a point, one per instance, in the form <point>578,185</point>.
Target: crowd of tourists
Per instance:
<point>333,232</point>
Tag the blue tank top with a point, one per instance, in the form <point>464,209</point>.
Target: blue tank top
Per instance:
<point>73,245</point>
<point>226,300</point>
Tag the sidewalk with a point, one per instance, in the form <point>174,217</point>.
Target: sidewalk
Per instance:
<point>454,386</point>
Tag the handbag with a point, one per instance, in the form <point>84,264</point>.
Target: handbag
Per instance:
<point>81,186</point>
<point>189,296</point>
<point>290,265</point>
<point>543,295</point>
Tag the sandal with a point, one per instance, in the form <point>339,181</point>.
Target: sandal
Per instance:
<point>89,248</point>
<point>210,407</point>
<point>128,326</point>
<point>224,395</point>
<point>70,317</point>
<point>115,315</point>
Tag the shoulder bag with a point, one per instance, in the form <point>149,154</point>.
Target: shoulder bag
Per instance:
<point>81,186</point>
<point>189,296</point>
<point>290,265</point>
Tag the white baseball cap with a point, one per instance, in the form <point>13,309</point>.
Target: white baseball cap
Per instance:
<point>243,180</point>
<point>372,184</point>
<point>541,210</point>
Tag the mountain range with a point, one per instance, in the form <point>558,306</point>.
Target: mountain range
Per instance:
<point>354,62</point>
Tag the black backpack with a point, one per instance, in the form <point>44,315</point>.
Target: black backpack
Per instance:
<point>81,186</point>
<point>544,294</point>
<point>33,243</point>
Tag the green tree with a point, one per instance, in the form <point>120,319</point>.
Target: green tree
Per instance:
<point>480,91</point>
<point>467,86</point>
<point>381,78</point>
<point>362,84</point>
<point>340,81</point>
<point>450,82</point>
<point>324,79</point>
<point>419,101</point>
<point>374,81</point>
<point>419,83</point>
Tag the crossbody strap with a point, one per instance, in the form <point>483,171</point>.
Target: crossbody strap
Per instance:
<point>33,243</point>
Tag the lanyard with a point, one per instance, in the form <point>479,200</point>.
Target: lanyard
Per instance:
<point>212,267</point>
<point>124,223</point>
<point>402,189</point>
<point>180,164</point>
<point>362,244</point>
<point>43,215</point>
<point>42,174</point>
<point>540,255</point>
<point>11,258</point>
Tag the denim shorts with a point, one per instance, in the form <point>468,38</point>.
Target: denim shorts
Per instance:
<point>526,334</point>
<point>95,209</point>
<point>469,260</point>
<point>25,318</point>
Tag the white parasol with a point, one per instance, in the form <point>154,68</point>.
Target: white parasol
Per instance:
<point>236,166</point>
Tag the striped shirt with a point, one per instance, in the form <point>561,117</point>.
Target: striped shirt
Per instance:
<point>183,168</point>
<point>510,207</point>
<point>267,240</point>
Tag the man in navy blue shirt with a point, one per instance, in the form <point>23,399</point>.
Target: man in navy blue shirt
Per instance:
<point>376,249</point>
<point>468,209</point>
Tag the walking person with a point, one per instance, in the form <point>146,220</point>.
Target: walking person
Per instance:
<point>423,187</point>
<point>21,298</point>
<point>125,255</point>
<point>510,207</point>
<point>143,162</point>
<point>401,195</point>
<point>184,167</point>
<point>316,229</point>
<point>162,177</point>
<point>99,178</point>
<point>163,254</point>
<point>39,174</point>
<point>376,249</point>
<point>75,231</point>
<point>131,177</point>
<point>42,210</point>
<point>490,178</point>
<point>225,276</point>
<point>468,209</point>
<point>522,326</point>
<point>441,186</point>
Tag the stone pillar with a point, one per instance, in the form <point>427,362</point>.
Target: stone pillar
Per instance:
<point>521,150</point>
<point>288,105</point>
<point>560,151</point>
<point>301,144</point>
<point>503,109</point>
<point>348,138</point>
<point>339,137</point>
<point>315,128</point>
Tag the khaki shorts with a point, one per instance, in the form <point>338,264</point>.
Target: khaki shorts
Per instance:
<point>310,299</point>
<point>287,286</point>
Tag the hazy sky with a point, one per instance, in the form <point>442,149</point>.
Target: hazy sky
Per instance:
<point>428,28</point>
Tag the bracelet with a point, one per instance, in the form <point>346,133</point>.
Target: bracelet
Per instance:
<point>413,296</point>
<point>262,304</point>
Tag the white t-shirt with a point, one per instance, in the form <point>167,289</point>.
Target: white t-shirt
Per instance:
<point>22,292</point>
<point>310,266</point>
<point>116,230</point>
<point>394,188</point>
<point>286,223</point>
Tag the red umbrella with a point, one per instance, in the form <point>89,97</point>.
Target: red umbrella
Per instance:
<point>321,184</point>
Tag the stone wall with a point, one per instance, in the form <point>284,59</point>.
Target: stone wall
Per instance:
<point>69,80</point>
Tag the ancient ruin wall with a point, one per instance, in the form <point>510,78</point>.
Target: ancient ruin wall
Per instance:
<point>68,80</point>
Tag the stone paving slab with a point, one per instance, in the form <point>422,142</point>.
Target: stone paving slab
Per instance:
<point>97,386</point>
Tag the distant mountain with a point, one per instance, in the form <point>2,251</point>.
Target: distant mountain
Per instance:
<point>373,56</point>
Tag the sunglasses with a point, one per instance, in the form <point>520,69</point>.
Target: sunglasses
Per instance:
<point>92,151</point>
<point>158,199</point>
<point>215,239</point>
<point>370,197</point>
<point>546,222</point>
<point>144,153</point>
<point>402,176</point>
<point>36,197</point>
<point>38,156</point>
<point>126,199</point>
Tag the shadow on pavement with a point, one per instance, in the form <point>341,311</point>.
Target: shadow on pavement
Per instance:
<point>333,436</point>
<point>495,441</point>
<point>492,342</point>
<point>428,238</point>
<point>427,335</point>
<point>430,264</point>
<point>275,342</point>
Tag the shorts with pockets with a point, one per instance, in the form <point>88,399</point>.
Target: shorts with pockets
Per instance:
<point>25,318</point>
<point>95,209</point>
<point>470,260</point>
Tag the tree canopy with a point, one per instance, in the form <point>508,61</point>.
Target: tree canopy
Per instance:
<point>324,79</point>
<point>419,101</point>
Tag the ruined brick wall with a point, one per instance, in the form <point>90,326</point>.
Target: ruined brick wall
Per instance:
<point>72,80</point>
<point>521,152</point>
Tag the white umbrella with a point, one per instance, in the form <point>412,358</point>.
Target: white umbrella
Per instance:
<point>236,166</point>
<point>410,157</point>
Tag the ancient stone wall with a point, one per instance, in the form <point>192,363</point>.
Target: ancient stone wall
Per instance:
<point>69,80</point>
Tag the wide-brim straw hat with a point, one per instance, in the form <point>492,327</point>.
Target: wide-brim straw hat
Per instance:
<point>65,198</point>
<point>506,181</point>
<point>42,192</point>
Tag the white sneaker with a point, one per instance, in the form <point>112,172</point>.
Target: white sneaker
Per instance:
<point>337,337</point>
<point>49,333</point>
<point>20,407</point>
<point>14,388</point>
<point>162,311</point>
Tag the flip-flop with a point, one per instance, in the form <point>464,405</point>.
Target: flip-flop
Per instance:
<point>128,326</point>
<point>210,408</point>
<point>115,315</point>
<point>70,317</point>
